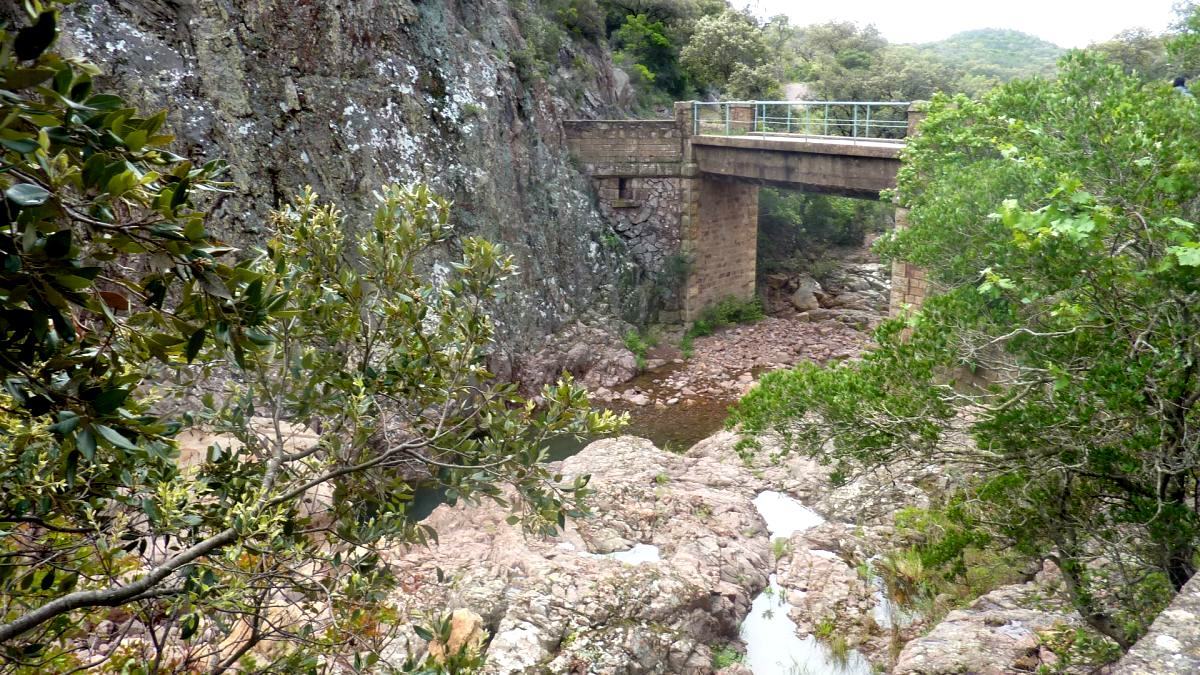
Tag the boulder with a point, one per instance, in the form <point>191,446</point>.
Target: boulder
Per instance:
<point>466,634</point>
<point>777,280</point>
<point>805,298</point>
<point>595,355</point>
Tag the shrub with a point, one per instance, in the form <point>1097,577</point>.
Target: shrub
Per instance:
<point>726,656</point>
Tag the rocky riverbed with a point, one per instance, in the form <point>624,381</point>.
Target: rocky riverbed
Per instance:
<point>685,566</point>
<point>697,559</point>
<point>665,577</point>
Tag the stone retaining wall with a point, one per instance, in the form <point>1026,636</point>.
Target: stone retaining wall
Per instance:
<point>644,212</point>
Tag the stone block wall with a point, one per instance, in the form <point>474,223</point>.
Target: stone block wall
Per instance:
<point>909,286</point>
<point>626,148</point>
<point>720,237</point>
<point>645,213</point>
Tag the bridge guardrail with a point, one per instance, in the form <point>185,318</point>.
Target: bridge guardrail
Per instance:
<point>876,120</point>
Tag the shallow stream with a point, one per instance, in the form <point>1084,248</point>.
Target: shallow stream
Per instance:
<point>772,646</point>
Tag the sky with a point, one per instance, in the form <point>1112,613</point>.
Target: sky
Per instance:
<point>1066,23</point>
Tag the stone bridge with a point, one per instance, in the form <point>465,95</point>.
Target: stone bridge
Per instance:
<point>685,198</point>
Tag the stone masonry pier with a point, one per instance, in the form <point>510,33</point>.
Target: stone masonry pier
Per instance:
<point>689,201</point>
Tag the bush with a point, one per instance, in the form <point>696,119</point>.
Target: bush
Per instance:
<point>581,17</point>
<point>638,343</point>
<point>726,656</point>
<point>727,312</point>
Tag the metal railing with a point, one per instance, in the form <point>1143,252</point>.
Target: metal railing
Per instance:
<point>876,120</point>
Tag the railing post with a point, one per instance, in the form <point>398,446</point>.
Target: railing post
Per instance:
<point>854,123</point>
<point>789,118</point>
<point>726,118</point>
<point>867,133</point>
<point>695,118</point>
<point>826,119</point>
<point>915,113</point>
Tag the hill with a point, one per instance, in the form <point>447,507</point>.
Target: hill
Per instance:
<point>997,53</point>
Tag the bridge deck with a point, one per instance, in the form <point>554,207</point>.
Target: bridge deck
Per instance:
<point>823,145</point>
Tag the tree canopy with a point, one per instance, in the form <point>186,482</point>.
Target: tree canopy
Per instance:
<point>728,52</point>
<point>1058,360</point>
<point>323,377</point>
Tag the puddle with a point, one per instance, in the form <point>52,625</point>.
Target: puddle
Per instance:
<point>785,515</point>
<point>773,648</point>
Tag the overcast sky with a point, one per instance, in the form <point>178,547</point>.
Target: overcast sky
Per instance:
<point>1067,23</point>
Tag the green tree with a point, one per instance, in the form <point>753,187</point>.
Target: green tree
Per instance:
<point>1183,45</point>
<point>1058,221</point>
<point>757,83</point>
<point>336,375</point>
<point>845,62</point>
<point>646,43</point>
<point>1138,51</point>
<point>721,47</point>
<point>998,54</point>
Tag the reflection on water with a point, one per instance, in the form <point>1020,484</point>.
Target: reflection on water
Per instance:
<point>772,647</point>
<point>785,515</point>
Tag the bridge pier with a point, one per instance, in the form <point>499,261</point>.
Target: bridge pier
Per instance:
<point>719,229</point>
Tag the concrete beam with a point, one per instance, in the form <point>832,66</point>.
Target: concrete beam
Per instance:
<point>842,166</point>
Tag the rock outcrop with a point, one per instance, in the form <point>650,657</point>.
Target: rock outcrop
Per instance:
<point>595,355</point>
<point>566,605</point>
<point>347,96</point>
<point>1006,631</point>
<point>1172,646</point>
<point>822,569</point>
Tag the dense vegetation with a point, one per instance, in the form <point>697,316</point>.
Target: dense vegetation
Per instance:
<point>997,54</point>
<point>1058,361</point>
<point>320,377</point>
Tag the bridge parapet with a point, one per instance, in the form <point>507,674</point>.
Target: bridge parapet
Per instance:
<point>878,120</point>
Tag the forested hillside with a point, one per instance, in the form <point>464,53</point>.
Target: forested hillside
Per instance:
<point>997,53</point>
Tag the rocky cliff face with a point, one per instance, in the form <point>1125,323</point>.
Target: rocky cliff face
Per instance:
<point>348,95</point>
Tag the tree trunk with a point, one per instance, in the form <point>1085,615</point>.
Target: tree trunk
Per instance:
<point>1084,603</point>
